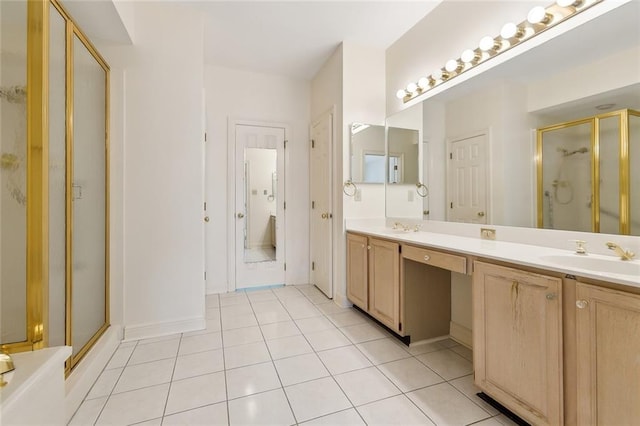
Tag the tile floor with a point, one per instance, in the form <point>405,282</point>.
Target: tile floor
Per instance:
<point>286,356</point>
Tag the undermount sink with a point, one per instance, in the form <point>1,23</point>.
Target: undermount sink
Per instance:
<point>598,264</point>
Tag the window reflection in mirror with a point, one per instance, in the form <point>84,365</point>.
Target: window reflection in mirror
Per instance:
<point>367,153</point>
<point>260,183</point>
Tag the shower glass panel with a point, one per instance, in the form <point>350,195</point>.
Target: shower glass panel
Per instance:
<point>57,177</point>
<point>609,154</point>
<point>88,198</point>
<point>634,172</point>
<point>566,177</point>
<point>13,171</point>
<point>261,204</point>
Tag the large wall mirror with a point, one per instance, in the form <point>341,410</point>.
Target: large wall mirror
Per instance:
<point>491,119</point>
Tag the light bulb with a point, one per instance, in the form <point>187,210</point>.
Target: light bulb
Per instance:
<point>487,43</point>
<point>437,75</point>
<point>538,15</point>
<point>412,87</point>
<point>468,56</point>
<point>509,30</point>
<point>401,94</point>
<point>568,3</point>
<point>451,65</point>
<point>423,83</point>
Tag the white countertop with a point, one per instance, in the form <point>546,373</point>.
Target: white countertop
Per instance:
<point>517,253</point>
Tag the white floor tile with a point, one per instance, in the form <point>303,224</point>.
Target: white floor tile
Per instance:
<point>397,410</point>
<point>277,330</point>
<point>287,292</point>
<point>261,296</point>
<point>121,356</point>
<point>215,415</point>
<point>135,406</point>
<point>238,321</point>
<point>144,375</point>
<point>447,406</point>
<point>233,299</point>
<point>363,332</point>
<point>88,412</point>
<point>409,374</point>
<point>327,339</point>
<point>350,317</point>
<point>241,336</point>
<point>196,392</point>
<point>332,308</point>
<point>242,355</point>
<point>448,343</point>
<point>213,325</point>
<point>366,385</point>
<point>105,383</point>
<point>447,364</point>
<point>252,379</point>
<point>316,398</point>
<point>465,385</point>
<point>268,408</point>
<point>348,417</point>
<point>300,369</point>
<point>423,348</point>
<point>152,422</point>
<point>212,301</point>
<point>269,317</point>
<point>288,346</point>
<point>318,299</point>
<point>463,351</point>
<point>213,313</point>
<point>235,310</point>
<point>314,324</point>
<point>341,360</point>
<point>202,343</point>
<point>159,339</point>
<point>198,364</point>
<point>303,310</point>
<point>155,351</point>
<point>383,350</point>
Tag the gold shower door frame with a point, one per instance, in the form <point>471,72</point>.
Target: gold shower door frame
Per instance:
<point>37,285</point>
<point>624,168</point>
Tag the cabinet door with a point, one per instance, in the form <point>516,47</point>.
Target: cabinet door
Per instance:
<point>357,280</point>
<point>517,341</point>
<point>608,348</point>
<point>384,282</point>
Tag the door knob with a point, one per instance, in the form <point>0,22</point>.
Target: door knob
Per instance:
<point>480,214</point>
<point>324,215</point>
<point>206,218</point>
<point>240,215</point>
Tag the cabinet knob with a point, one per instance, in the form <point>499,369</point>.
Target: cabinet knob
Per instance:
<point>368,247</point>
<point>427,257</point>
<point>551,296</point>
<point>581,304</point>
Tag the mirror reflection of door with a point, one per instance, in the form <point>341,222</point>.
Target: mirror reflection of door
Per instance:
<point>260,204</point>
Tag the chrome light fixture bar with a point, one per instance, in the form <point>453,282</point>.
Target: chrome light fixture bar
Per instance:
<point>538,20</point>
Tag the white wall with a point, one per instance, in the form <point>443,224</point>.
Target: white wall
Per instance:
<point>162,226</point>
<point>243,95</point>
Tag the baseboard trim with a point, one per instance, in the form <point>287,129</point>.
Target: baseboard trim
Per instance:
<point>461,334</point>
<point>145,331</point>
<point>79,382</point>
<point>341,300</point>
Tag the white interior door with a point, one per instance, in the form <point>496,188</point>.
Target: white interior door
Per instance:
<point>467,176</point>
<point>259,206</point>
<point>321,208</point>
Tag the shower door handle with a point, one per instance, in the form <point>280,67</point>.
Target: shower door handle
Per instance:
<point>240,215</point>
<point>480,214</point>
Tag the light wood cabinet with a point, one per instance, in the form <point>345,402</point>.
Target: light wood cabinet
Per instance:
<point>517,324</point>
<point>357,270</point>
<point>373,278</point>
<point>608,356</point>
<point>384,282</point>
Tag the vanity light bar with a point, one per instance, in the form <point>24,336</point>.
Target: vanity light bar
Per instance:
<point>538,20</point>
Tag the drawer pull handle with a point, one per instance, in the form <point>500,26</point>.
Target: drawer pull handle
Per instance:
<point>427,257</point>
<point>581,304</point>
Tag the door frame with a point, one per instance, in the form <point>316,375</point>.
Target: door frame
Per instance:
<point>231,190</point>
<point>487,173</point>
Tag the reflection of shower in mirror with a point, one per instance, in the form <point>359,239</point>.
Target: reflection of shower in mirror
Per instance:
<point>561,181</point>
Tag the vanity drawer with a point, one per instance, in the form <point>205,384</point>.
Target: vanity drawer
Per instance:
<point>435,258</point>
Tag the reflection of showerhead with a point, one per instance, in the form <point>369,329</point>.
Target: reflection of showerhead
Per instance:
<point>566,153</point>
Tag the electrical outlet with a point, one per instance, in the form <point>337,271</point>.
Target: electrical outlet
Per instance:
<point>487,234</point>
<point>358,195</point>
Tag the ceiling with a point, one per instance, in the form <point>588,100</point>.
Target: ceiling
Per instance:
<point>290,38</point>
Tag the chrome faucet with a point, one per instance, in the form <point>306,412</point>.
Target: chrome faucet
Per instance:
<point>624,254</point>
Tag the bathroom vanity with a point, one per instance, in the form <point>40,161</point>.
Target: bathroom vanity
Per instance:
<point>554,343</point>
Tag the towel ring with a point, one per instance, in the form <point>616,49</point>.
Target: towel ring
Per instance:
<point>422,189</point>
<point>349,184</point>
